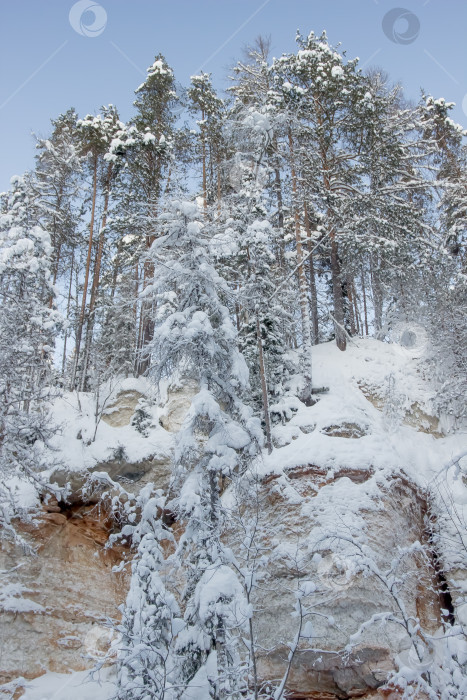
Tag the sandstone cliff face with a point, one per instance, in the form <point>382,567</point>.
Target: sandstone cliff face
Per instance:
<point>342,595</point>
<point>59,602</point>
<point>75,592</point>
<point>176,408</point>
<point>309,521</point>
<point>70,593</point>
<point>120,412</point>
<point>132,473</point>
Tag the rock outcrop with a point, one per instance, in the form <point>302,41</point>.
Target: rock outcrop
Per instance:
<point>73,590</point>
<point>177,405</point>
<point>339,591</point>
<point>83,485</point>
<point>70,593</point>
<point>121,411</point>
<point>326,538</point>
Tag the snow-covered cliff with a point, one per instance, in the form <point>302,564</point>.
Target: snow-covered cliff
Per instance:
<point>359,488</point>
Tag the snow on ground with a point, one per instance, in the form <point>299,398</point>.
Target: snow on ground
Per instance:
<point>75,445</point>
<point>387,442</point>
<point>73,686</point>
<point>372,387</point>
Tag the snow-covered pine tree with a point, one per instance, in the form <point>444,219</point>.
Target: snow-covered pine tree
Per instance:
<point>195,341</point>
<point>57,179</point>
<point>115,346</point>
<point>205,104</point>
<point>150,615</point>
<point>95,136</point>
<point>318,89</point>
<point>28,326</point>
<point>112,127</point>
<point>252,83</point>
<point>265,323</point>
<point>149,171</point>
<point>444,279</point>
<point>116,332</point>
<point>386,216</point>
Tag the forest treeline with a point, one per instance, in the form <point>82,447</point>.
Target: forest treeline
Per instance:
<point>331,204</point>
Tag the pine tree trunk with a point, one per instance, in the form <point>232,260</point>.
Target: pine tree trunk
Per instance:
<point>365,310</point>
<point>337,291</point>
<point>280,208</point>
<point>57,246</point>
<point>358,318</point>
<point>146,325</point>
<point>139,338</point>
<point>311,271</point>
<point>338,297</point>
<point>79,330</point>
<point>96,279</point>
<point>205,192</point>
<point>278,188</point>
<point>68,304</point>
<point>55,272</point>
<point>146,330</point>
<point>148,334</point>
<point>264,388</point>
<point>81,380</point>
<point>219,191</point>
<point>135,316</point>
<point>352,315</point>
<point>377,294</point>
<point>306,331</point>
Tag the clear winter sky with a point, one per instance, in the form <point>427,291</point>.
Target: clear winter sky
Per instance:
<point>46,66</point>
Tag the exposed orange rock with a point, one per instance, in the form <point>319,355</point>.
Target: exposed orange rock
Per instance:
<point>71,577</point>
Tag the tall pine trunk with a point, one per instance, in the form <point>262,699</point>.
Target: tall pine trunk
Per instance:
<point>306,330</point>
<point>336,278</point>
<point>337,294</point>
<point>56,246</point>
<point>358,317</point>
<point>79,330</point>
<point>218,176</point>
<point>68,305</point>
<point>96,279</point>
<point>377,290</point>
<point>312,281</point>
<point>352,311</point>
<point>365,310</point>
<point>205,189</point>
<point>264,387</point>
<point>146,324</point>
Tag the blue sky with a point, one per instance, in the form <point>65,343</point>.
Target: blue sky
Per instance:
<point>46,66</point>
